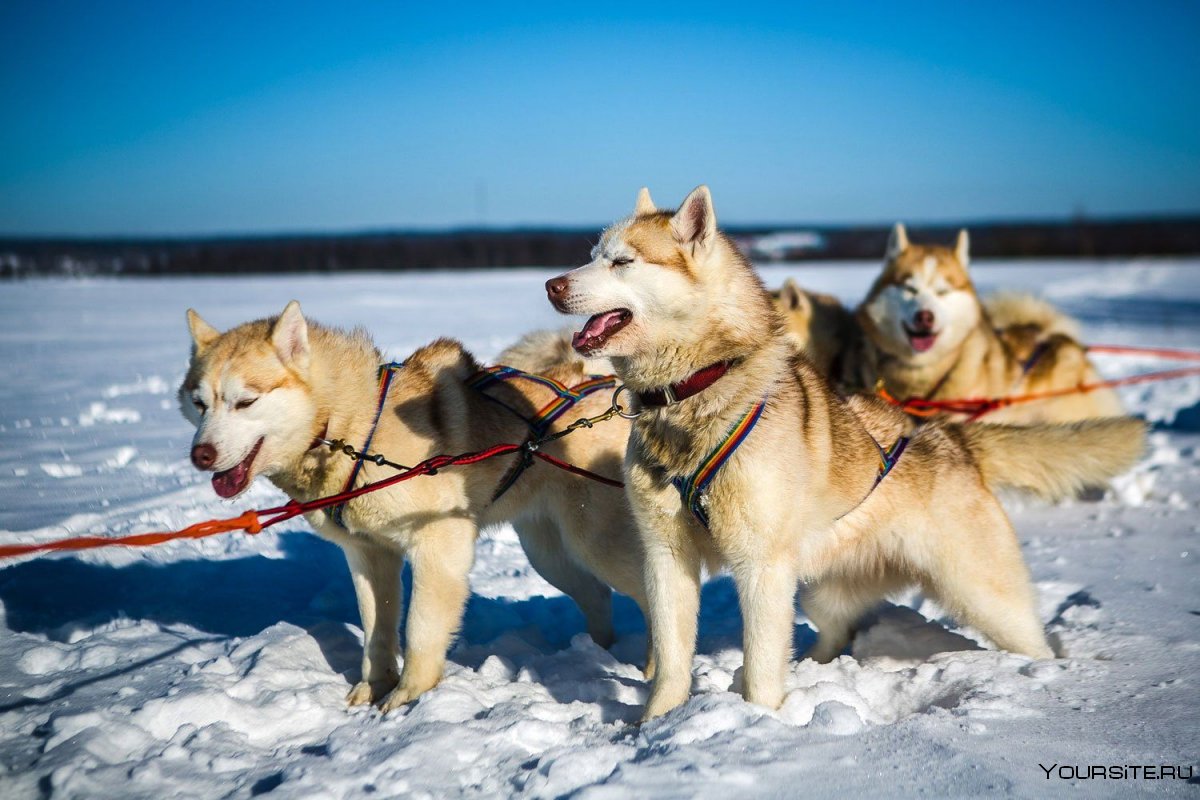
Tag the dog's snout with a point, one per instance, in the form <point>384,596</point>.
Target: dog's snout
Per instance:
<point>924,318</point>
<point>557,287</point>
<point>204,456</point>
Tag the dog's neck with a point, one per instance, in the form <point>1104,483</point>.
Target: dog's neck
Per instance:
<point>678,435</point>
<point>343,382</point>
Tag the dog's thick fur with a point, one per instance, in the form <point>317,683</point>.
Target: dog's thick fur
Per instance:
<point>818,324</point>
<point>284,381</point>
<point>795,501</point>
<point>926,334</point>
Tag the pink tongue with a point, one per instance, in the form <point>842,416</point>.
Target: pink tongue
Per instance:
<point>922,343</point>
<point>231,481</point>
<point>596,326</point>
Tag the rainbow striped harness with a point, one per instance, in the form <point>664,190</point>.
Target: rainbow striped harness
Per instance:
<point>692,488</point>
<point>566,397</point>
<point>386,372</point>
<point>887,458</point>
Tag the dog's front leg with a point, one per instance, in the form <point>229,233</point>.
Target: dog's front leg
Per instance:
<point>672,575</point>
<point>673,588</point>
<point>766,591</point>
<point>375,572</point>
<point>441,559</point>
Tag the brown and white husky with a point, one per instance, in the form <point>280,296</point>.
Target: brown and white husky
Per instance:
<point>925,334</point>
<point>818,325</point>
<point>260,395</point>
<point>804,494</point>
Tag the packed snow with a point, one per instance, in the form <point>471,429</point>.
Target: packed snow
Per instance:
<point>219,667</point>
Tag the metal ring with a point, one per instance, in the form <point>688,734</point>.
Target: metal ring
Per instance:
<point>617,406</point>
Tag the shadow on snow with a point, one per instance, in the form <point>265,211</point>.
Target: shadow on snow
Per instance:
<point>310,588</point>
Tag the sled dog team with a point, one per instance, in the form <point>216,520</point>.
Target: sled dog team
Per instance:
<point>740,454</point>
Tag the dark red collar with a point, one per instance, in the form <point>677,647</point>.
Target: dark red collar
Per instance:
<point>691,385</point>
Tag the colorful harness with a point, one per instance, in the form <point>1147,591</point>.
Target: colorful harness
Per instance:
<point>386,371</point>
<point>1034,357</point>
<point>887,458</point>
<point>691,489</point>
<point>566,397</point>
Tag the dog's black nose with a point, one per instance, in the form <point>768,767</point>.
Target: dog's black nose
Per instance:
<point>924,318</point>
<point>204,456</point>
<point>555,287</point>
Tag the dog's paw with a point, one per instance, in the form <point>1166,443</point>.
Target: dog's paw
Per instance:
<point>365,692</point>
<point>662,702</point>
<point>398,697</point>
<point>360,694</point>
<point>408,691</point>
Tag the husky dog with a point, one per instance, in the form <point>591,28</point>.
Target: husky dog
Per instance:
<point>818,324</point>
<point>816,491</point>
<point>926,334</point>
<point>262,394</point>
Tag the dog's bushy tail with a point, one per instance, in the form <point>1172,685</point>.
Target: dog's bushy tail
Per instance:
<point>1055,461</point>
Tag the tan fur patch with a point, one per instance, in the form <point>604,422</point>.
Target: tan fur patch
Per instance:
<point>913,262</point>
<point>651,237</point>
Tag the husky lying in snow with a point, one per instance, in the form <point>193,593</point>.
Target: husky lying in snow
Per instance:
<point>744,457</point>
<point>260,395</point>
<point>926,334</point>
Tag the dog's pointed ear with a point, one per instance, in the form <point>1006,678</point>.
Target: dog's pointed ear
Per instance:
<point>897,240</point>
<point>645,206</point>
<point>794,299</point>
<point>289,336</point>
<point>203,334</point>
<point>962,247</point>
<point>695,223</point>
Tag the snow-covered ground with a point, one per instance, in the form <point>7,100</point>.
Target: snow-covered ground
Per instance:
<point>219,667</point>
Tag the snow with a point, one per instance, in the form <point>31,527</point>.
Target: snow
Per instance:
<point>219,667</point>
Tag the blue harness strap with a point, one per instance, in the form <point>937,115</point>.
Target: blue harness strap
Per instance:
<point>386,372</point>
<point>1034,357</point>
<point>691,489</point>
<point>566,397</point>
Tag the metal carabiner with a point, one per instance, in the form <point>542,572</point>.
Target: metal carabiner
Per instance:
<point>616,406</point>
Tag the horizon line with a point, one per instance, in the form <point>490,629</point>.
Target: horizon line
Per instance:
<point>475,228</point>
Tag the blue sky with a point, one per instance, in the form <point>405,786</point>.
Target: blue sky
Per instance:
<point>179,118</point>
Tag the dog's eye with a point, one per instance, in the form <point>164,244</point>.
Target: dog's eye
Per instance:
<point>200,406</point>
<point>910,291</point>
<point>622,261</point>
<point>246,403</point>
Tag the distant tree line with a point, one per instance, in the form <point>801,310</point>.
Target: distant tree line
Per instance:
<point>483,249</point>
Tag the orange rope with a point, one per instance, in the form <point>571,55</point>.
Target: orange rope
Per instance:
<point>246,522</point>
<point>976,407</point>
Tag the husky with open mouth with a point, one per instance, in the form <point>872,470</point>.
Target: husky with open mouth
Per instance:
<point>741,456</point>
<point>926,334</point>
<point>265,394</point>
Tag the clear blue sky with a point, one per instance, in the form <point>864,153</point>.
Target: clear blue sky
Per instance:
<point>177,118</point>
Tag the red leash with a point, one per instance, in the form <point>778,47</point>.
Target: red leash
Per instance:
<point>976,407</point>
<point>256,521</point>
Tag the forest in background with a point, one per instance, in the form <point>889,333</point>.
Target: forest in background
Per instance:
<point>561,247</point>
